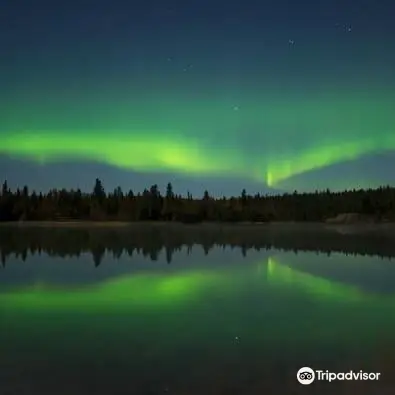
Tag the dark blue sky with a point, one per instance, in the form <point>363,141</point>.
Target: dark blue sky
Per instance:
<point>206,94</point>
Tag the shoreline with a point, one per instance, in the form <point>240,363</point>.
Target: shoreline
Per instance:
<point>75,237</point>
<point>144,224</point>
<point>134,224</point>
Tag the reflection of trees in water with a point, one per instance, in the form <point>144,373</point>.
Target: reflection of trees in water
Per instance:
<point>149,241</point>
<point>98,254</point>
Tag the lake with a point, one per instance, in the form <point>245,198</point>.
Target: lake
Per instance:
<point>190,310</point>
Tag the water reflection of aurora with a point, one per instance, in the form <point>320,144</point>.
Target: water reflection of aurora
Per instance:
<point>277,307</point>
<point>124,292</point>
<point>316,286</point>
<point>177,288</point>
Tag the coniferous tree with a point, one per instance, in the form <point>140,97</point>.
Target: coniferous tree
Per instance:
<point>169,191</point>
<point>5,189</point>
<point>98,190</point>
<point>378,204</point>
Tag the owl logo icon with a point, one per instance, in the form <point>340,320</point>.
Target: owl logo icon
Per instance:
<point>305,375</point>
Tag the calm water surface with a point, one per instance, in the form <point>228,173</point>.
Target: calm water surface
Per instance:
<point>223,321</point>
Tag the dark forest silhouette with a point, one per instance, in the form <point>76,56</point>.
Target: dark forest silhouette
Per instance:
<point>150,205</point>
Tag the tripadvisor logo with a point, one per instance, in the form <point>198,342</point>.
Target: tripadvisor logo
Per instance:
<point>307,375</point>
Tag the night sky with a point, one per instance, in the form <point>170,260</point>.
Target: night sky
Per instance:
<point>266,95</point>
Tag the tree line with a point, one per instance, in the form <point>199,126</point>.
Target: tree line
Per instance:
<point>151,205</point>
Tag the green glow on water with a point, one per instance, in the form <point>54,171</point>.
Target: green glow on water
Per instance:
<point>317,287</point>
<point>127,292</point>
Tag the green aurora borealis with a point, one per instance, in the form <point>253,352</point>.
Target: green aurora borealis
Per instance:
<point>208,90</point>
<point>309,136</point>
